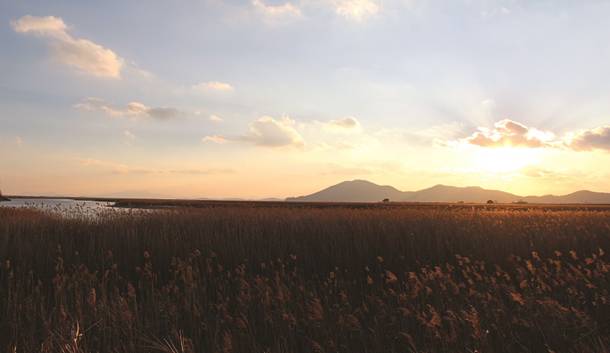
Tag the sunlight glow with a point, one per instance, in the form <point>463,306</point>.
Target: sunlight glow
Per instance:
<point>504,159</point>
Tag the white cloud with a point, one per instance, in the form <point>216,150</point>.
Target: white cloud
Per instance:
<point>133,109</point>
<point>277,13</point>
<point>270,132</point>
<point>356,10</point>
<point>509,133</point>
<point>215,139</point>
<point>215,118</point>
<point>213,86</point>
<point>81,54</point>
<point>44,26</point>
<point>266,131</point>
<point>97,104</point>
<point>347,124</point>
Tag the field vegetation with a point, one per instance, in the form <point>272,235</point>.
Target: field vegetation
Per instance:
<point>254,279</point>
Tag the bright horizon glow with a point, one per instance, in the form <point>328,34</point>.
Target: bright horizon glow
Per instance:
<point>505,160</point>
<point>258,99</point>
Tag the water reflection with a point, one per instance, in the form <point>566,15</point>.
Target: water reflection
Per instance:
<point>65,207</point>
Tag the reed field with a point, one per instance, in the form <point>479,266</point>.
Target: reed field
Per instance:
<point>261,279</point>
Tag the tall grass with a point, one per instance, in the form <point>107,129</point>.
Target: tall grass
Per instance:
<point>257,279</point>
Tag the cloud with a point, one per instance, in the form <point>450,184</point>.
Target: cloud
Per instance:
<point>215,139</point>
<point>162,113</point>
<point>215,119</point>
<point>266,131</point>
<point>277,13</point>
<point>213,86</point>
<point>356,10</point>
<point>509,133</point>
<point>81,54</point>
<point>44,26</point>
<point>129,137</point>
<point>346,124</point>
<point>352,10</point>
<point>116,168</point>
<point>586,140</point>
<point>537,172</point>
<point>441,135</point>
<point>270,132</point>
<point>133,109</point>
<point>120,168</point>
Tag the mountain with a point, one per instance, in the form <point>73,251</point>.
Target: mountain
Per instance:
<point>583,196</point>
<point>365,191</point>
<point>353,191</point>
<point>444,193</point>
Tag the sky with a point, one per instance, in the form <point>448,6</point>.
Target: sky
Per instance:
<point>274,98</point>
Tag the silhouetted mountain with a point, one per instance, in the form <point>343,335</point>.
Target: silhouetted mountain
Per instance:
<point>365,191</point>
<point>444,193</point>
<point>583,196</point>
<point>353,191</point>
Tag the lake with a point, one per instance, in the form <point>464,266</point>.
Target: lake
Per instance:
<point>66,207</point>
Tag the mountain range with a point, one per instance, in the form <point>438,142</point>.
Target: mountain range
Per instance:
<point>366,191</point>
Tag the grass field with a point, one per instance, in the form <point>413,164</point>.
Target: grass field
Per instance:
<point>266,277</point>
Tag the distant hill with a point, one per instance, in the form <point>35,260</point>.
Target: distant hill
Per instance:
<point>444,193</point>
<point>271,199</point>
<point>365,191</point>
<point>353,191</point>
<point>583,196</point>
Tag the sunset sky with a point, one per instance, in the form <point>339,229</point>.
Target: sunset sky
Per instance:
<point>265,98</point>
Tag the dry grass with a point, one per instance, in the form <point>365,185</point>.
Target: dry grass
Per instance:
<point>259,279</point>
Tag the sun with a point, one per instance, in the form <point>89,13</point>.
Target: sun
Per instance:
<point>503,160</point>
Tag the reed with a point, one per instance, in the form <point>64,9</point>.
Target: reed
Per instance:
<point>280,279</point>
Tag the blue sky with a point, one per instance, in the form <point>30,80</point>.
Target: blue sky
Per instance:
<point>118,96</point>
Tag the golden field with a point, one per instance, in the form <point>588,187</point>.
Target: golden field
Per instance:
<point>234,277</point>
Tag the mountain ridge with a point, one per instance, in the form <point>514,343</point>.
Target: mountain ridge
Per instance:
<point>359,190</point>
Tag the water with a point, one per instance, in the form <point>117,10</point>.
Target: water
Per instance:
<point>65,207</point>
